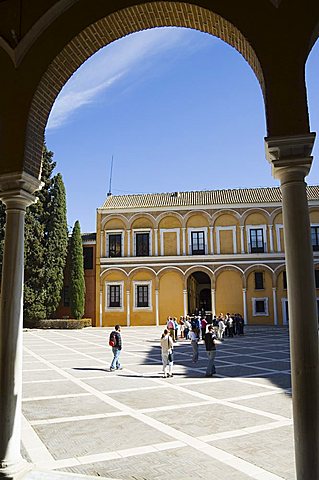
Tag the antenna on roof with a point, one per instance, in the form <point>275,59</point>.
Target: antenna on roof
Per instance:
<point>111,173</point>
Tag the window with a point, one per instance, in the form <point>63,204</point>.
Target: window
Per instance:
<point>142,242</point>
<point>114,296</point>
<point>256,240</point>
<point>317,278</point>
<point>260,307</point>
<point>88,258</point>
<point>66,296</point>
<point>115,244</point>
<point>142,296</point>
<point>284,279</point>
<point>315,238</point>
<point>259,280</point>
<point>198,243</point>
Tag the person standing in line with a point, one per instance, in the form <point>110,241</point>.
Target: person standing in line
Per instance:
<point>116,343</point>
<point>194,343</point>
<point>187,327</point>
<point>221,327</point>
<point>203,327</point>
<point>167,353</point>
<point>171,327</point>
<point>176,326</point>
<point>210,339</point>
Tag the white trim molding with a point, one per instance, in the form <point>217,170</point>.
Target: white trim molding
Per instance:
<point>178,239</point>
<point>137,283</point>
<point>266,310</point>
<point>196,229</point>
<point>107,307</point>
<point>113,232</point>
<point>232,228</point>
<point>143,230</point>
<point>279,226</point>
<point>255,227</point>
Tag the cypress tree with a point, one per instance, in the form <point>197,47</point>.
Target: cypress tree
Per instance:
<point>77,293</point>
<point>55,242</point>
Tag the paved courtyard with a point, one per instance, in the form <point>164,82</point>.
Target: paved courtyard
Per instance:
<point>135,425</point>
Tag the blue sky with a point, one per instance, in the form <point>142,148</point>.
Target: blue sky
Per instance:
<point>178,110</point>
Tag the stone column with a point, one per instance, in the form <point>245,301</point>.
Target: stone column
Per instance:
<point>101,307</point>
<point>128,308</point>
<point>211,234</point>
<point>184,240</point>
<point>274,297</point>
<point>128,243</point>
<point>156,242</point>
<point>156,308</point>
<point>271,239</point>
<point>185,302</point>
<point>16,192</point>
<point>245,305</point>
<point>291,162</point>
<point>213,301</point>
<point>242,242</point>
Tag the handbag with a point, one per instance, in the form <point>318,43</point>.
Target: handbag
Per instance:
<point>170,357</point>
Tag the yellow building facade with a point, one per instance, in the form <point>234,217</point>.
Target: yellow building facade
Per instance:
<point>172,254</point>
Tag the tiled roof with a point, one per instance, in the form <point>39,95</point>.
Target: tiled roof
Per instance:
<point>202,198</point>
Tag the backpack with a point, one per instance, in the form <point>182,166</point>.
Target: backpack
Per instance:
<point>112,340</point>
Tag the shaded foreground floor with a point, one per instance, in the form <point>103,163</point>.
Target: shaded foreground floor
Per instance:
<point>134,424</point>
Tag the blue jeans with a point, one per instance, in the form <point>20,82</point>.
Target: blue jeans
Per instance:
<point>195,351</point>
<point>210,370</point>
<point>116,355</point>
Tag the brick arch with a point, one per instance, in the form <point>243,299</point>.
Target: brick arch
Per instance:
<point>105,31</point>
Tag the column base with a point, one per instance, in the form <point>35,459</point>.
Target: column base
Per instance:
<point>16,471</point>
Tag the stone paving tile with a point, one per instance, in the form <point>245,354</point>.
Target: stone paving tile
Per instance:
<point>206,420</point>
<point>277,365</point>
<point>275,355</point>
<point>154,398</point>
<point>88,437</point>
<point>178,464</point>
<point>65,387</point>
<point>65,407</point>
<point>86,372</point>
<point>238,371</point>
<point>280,404</point>
<point>272,450</point>
<point>41,375</point>
<point>117,381</point>
<point>225,389</point>
<point>281,380</point>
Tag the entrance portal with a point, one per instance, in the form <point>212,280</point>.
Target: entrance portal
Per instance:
<point>199,293</point>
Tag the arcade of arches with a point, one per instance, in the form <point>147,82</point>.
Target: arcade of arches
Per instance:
<point>43,43</point>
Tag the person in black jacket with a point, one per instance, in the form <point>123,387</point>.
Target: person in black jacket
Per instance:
<point>116,338</point>
<point>210,338</point>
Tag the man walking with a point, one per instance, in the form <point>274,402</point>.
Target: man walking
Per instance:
<point>116,344</point>
<point>210,338</point>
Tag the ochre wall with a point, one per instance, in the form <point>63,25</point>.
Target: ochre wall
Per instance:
<point>281,293</point>
<point>197,220</point>
<point>229,292</point>
<point>111,318</point>
<point>170,296</point>
<point>170,243</point>
<point>140,316</point>
<point>226,241</point>
<point>265,292</point>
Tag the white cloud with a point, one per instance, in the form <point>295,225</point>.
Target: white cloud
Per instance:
<point>109,66</point>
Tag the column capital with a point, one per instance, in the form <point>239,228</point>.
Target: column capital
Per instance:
<point>17,189</point>
<point>290,156</point>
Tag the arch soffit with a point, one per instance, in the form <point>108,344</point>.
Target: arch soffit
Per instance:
<point>228,211</point>
<point>114,216</point>
<point>169,214</point>
<point>197,212</point>
<point>136,216</point>
<point>250,211</point>
<point>103,32</point>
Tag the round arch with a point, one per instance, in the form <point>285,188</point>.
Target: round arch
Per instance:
<point>274,214</point>
<point>141,215</point>
<point>228,211</point>
<point>199,268</point>
<point>140,269</point>
<point>249,211</point>
<point>197,212</point>
<point>108,29</point>
<point>177,215</point>
<point>260,266</point>
<point>114,216</point>
<point>170,269</point>
<point>110,270</point>
<point>224,268</point>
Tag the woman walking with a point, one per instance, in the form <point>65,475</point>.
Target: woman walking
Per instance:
<point>167,353</point>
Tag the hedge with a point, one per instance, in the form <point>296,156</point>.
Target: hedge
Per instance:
<point>65,323</point>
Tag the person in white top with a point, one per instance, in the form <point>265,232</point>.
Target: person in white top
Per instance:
<point>194,343</point>
<point>167,353</point>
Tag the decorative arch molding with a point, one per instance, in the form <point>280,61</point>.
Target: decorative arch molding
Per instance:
<point>164,270</point>
<point>197,212</point>
<point>249,211</point>
<point>103,32</point>
<point>199,268</point>
<point>225,268</point>
<point>136,216</point>
<point>139,269</point>
<point>274,214</point>
<point>260,266</point>
<point>227,211</point>
<point>163,215</point>
<point>114,216</point>
<point>110,270</point>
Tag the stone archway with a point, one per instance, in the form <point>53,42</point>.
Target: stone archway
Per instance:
<point>199,293</point>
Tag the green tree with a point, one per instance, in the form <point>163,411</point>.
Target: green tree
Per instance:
<point>77,293</point>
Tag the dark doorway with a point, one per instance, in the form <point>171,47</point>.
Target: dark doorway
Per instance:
<point>199,293</point>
